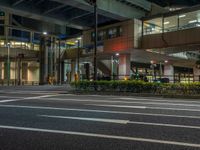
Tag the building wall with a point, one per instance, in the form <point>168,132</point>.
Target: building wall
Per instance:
<point>171,39</point>
<point>119,44</point>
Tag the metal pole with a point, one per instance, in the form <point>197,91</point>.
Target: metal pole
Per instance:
<point>112,67</point>
<point>95,40</point>
<point>160,69</point>
<point>78,60</point>
<point>8,64</point>
<point>59,62</point>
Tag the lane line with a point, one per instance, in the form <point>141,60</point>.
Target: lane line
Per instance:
<point>104,136</point>
<point>156,99</point>
<point>100,111</point>
<point>164,125</point>
<point>43,96</point>
<point>146,107</point>
<point>112,101</point>
<point>26,98</point>
<point>159,100</point>
<point>117,121</point>
<point>9,100</point>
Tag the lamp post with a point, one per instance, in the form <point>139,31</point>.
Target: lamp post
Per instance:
<point>78,59</point>
<point>8,64</point>
<point>59,62</point>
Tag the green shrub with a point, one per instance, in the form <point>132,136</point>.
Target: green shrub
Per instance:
<point>136,86</point>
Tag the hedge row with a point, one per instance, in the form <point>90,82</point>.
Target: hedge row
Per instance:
<point>138,87</point>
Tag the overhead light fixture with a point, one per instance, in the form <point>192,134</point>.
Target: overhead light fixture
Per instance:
<point>192,21</point>
<point>117,54</point>
<point>44,33</point>
<point>167,22</point>
<point>166,61</point>
<point>181,16</point>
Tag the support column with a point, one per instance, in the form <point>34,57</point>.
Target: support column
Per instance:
<point>43,62</point>
<point>169,72</point>
<point>196,73</point>
<point>73,70</point>
<point>87,71</point>
<point>124,66</point>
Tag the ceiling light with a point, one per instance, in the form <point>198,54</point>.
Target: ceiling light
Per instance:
<point>192,21</point>
<point>167,22</point>
<point>181,16</point>
<point>44,33</point>
<point>117,54</point>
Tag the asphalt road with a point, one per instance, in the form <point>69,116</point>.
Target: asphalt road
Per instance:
<point>41,118</point>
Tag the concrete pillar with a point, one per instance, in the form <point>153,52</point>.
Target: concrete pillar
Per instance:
<point>169,72</point>
<point>124,66</point>
<point>87,71</point>
<point>196,73</point>
<point>43,61</point>
<point>1,70</point>
<point>73,70</point>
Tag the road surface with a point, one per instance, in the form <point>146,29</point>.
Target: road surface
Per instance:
<point>48,119</point>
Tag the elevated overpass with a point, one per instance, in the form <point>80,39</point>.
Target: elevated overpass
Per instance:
<point>76,13</point>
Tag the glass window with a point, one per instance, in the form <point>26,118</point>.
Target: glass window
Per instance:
<point>119,31</point>
<point>171,23</point>
<point>101,35</point>
<point>112,33</point>
<point>189,20</point>
<point>92,36</point>
<point>1,30</point>
<point>153,26</point>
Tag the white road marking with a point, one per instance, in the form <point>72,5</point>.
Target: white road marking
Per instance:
<point>104,136</point>
<point>119,106</point>
<point>43,96</point>
<point>100,111</point>
<point>146,107</point>
<point>164,125</point>
<point>159,100</point>
<point>113,101</point>
<point>26,98</point>
<point>9,100</point>
<point>117,121</point>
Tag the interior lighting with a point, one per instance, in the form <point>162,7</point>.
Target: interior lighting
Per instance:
<point>167,22</point>
<point>166,61</point>
<point>192,21</point>
<point>182,16</point>
<point>152,62</point>
<point>117,54</point>
<point>44,33</point>
<point>125,78</point>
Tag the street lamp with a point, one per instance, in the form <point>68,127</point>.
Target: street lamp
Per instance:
<point>8,64</point>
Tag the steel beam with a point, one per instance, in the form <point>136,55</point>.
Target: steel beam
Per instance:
<point>110,8</point>
<point>53,9</point>
<point>35,15</point>
<point>17,2</point>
